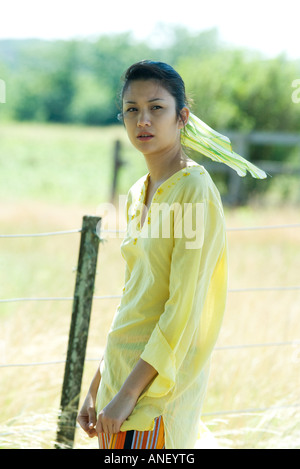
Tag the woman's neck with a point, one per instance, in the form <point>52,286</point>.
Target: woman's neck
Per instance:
<point>163,166</point>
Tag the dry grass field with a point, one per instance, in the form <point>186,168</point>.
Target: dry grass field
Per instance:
<point>253,395</point>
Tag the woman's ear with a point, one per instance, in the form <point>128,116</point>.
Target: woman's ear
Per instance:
<point>184,117</point>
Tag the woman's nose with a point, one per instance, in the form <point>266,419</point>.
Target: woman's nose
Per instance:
<point>143,119</point>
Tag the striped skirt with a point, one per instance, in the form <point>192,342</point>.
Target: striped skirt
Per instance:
<point>154,439</point>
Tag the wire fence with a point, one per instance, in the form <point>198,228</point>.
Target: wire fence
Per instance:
<point>292,343</point>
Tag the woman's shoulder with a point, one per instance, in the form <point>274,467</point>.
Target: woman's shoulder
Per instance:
<point>196,185</point>
<point>193,174</point>
<point>194,179</point>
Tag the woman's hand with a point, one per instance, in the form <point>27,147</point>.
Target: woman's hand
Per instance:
<point>87,416</point>
<point>121,406</point>
<point>116,412</point>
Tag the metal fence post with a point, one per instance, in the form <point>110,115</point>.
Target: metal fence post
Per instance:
<point>78,335</point>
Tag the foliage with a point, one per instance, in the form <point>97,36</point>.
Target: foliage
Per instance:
<point>78,81</point>
<point>243,91</point>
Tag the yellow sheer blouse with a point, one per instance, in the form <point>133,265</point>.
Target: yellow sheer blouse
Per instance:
<point>173,302</point>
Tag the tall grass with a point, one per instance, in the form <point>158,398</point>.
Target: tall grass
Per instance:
<point>37,331</point>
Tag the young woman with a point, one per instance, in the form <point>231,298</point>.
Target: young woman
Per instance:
<point>149,387</point>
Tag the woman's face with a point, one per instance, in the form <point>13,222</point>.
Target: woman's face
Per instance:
<point>150,119</point>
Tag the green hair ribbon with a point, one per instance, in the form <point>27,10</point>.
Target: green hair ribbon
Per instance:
<point>200,137</point>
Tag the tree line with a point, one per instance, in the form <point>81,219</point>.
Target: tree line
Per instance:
<point>78,81</point>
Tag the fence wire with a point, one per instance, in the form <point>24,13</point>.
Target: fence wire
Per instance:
<point>53,233</point>
<point>226,347</point>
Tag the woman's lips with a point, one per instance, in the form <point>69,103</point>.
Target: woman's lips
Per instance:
<point>145,137</point>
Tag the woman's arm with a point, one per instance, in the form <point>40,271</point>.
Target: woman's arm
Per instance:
<point>87,416</point>
<point>121,406</point>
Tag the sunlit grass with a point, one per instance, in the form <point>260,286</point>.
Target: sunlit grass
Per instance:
<point>63,164</point>
<point>37,332</point>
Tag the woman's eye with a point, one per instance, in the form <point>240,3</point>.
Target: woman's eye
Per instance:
<point>131,110</point>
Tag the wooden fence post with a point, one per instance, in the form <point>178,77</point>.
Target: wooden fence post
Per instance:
<point>236,193</point>
<point>78,335</point>
<point>117,164</point>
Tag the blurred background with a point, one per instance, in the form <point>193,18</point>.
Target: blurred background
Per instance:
<point>63,154</point>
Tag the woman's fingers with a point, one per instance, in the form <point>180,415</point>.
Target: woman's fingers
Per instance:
<point>87,420</point>
<point>112,416</point>
<point>99,427</point>
<point>83,421</point>
<point>105,424</point>
<point>92,422</point>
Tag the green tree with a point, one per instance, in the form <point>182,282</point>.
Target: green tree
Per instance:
<point>243,91</point>
<point>43,82</point>
<point>58,81</point>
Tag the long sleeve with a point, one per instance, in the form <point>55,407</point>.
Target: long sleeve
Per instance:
<point>189,320</point>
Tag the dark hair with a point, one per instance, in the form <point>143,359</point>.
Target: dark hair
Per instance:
<point>161,72</point>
